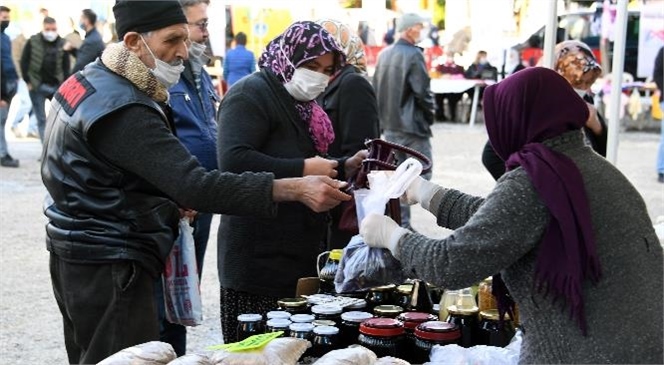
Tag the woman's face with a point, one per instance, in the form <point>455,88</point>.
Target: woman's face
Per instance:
<point>322,64</point>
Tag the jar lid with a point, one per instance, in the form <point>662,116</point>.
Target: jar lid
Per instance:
<point>323,322</point>
<point>249,317</point>
<point>387,310</point>
<point>381,288</point>
<point>358,305</point>
<point>278,314</point>
<point>383,327</point>
<point>278,323</point>
<point>326,309</point>
<point>302,318</point>
<point>301,327</point>
<point>292,302</point>
<point>336,254</point>
<point>326,330</point>
<point>437,331</point>
<point>412,319</point>
<point>493,315</point>
<point>464,311</point>
<point>405,288</point>
<point>355,316</point>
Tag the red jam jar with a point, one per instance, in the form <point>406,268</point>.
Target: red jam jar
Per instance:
<point>383,336</point>
<point>429,334</point>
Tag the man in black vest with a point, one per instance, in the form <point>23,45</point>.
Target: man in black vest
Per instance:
<point>118,181</point>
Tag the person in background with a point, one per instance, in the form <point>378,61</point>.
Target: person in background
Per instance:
<point>388,39</point>
<point>350,102</point>
<point>448,69</point>
<point>118,181</point>
<point>239,61</point>
<point>194,102</point>
<point>44,66</point>
<point>481,69</point>
<point>658,77</point>
<point>9,86</point>
<point>92,46</point>
<point>405,102</point>
<point>270,121</point>
<point>566,230</point>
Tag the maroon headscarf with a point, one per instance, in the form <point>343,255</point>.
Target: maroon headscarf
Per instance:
<point>298,44</point>
<point>521,111</point>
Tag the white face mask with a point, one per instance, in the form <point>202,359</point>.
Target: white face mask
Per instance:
<point>197,50</point>
<point>50,35</point>
<point>167,74</point>
<point>305,85</point>
<point>581,93</point>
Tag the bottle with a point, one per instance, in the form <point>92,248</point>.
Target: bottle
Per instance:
<point>326,339</point>
<point>248,325</point>
<point>349,329</point>
<point>329,272</point>
<point>429,334</point>
<point>420,299</point>
<point>383,336</point>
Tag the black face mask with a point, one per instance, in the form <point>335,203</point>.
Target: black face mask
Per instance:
<point>3,25</point>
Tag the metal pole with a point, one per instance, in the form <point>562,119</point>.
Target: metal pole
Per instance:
<point>550,34</point>
<point>618,65</point>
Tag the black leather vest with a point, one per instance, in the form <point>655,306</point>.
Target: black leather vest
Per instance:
<point>99,212</point>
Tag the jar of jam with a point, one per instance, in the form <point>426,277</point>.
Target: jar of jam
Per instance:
<point>277,314</point>
<point>248,325</point>
<point>327,312</point>
<point>383,336</point>
<point>387,311</point>
<point>304,331</point>
<point>494,332</point>
<point>403,295</point>
<point>466,319</point>
<point>349,329</point>
<point>357,307</point>
<point>278,324</point>
<point>380,295</point>
<point>302,318</point>
<point>485,298</point>
<point>410,321</point>
<point>323,322</point>
<point>326,339</point>
<point>293,305</point>
<point>429,334</point>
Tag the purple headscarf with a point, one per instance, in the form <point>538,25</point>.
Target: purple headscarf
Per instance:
<point>300,43</point>
<point>520,112</point>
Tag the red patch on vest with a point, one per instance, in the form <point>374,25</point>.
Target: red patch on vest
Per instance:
<point>73,91</point>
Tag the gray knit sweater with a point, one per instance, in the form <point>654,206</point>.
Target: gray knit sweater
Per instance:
<point>501,233</point>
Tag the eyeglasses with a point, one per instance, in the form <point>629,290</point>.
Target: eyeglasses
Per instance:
<point>203,24</point>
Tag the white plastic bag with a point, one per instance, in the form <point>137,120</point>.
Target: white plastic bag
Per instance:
<point>182,294</point>
<point>478,355</point>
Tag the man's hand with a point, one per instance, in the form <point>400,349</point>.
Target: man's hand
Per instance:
<point>354,163</point>
<point>319,193</point>
<point>320,166</point>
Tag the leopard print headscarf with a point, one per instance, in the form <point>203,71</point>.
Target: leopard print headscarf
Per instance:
<point>576,63</point>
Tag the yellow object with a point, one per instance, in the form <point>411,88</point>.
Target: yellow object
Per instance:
<point>336,254</point>
<point>656,107</point>
<point>249,343</point>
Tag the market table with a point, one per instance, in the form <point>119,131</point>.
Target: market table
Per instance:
<point>457,86</point>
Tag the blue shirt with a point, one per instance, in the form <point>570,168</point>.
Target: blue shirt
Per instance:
<point>239,62</point>
<point>8,67</point>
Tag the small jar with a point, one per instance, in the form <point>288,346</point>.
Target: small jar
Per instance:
<point>327,312</point>
<point>326,339</point>
<point>293,305</point>
<point>387,311</point>
<point>278,324</point>
<point>403,295</point>
<point>248,325</point>
<point>277,314</point>
<point>494,332</point>
<point>323,322</point>
<point>302,318</point>
<point>357,307</point>
<point>429,334</point>
<point>302,331</point>
<point>466,319</point>
<point>349,329</point>
<point>380,295</point>
<point>410,321</point>
<point>383,336</point>
<point>485,298</point>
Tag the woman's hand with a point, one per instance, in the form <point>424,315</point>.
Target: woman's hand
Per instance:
<point>354,163</point>
<point>593,121</point>
<point>381,231</point>
<point>320,166</point>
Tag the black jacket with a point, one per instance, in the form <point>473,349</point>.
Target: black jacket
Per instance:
<point>90,49</point>
<point>401,81</point>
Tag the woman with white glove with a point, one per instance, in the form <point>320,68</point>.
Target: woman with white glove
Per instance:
<point>562,219</point>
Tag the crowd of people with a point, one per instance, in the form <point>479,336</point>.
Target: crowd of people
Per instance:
<point>137,138</point>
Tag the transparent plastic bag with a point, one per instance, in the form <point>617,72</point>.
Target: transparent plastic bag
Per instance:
<point>182,294</point>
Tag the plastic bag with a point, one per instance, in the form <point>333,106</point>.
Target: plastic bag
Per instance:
<point>149,353</point>
<point>191,359</point>
<point>354,355</point>
<point>478,355</point>
<point>283,351</point>
<point>182,294</point>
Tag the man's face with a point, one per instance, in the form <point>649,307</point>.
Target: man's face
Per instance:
<point>50,27</point>
<point>414,32</point>
<point>198,20</point>
<point>167,44</point>
<point>83,21</point>
<point>4,15</point>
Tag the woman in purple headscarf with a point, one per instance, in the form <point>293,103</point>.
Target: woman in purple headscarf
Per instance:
<point>270,121</point>
<point>567,231</point>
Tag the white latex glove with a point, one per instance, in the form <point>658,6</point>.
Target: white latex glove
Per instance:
<point>420,191</point>
<point>381,231</point>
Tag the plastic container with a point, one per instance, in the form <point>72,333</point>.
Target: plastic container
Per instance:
<point>429,334</point>
<point>278,324</point>
<point>248,325</point>
<point>383,336</point>
<point>326,339</point>
<point>349,330</point>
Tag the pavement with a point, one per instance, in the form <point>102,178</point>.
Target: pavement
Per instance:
<point>30,322</point>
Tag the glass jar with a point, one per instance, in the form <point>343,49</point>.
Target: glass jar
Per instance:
<point>485,298</point>
<point>302,318</point>
<point>420,298</point>
<point>494,332</point>
<point>322,322</point>
<point>435,310</point>
<point>357,307</point>
<point>380,295</point>
<point>329,272</point>
<point>387,311</point>
<point>410,321</point>
<point>466,319</point>
<point>278,324</point>
<point>383,336</point>
<point>349,329</point>
<point>429,334</point>
<point>304,331</point>
<point>293,305</point>
<point>449,298</point>
<point>277,314</point>
<point>403,295</point>
<point>248,325</point>
<point>326,339</point>
<point>327,312</point>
